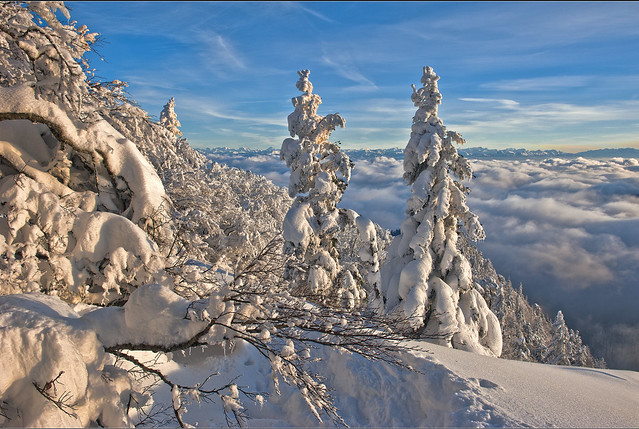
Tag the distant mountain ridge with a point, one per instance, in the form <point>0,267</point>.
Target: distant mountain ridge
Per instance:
<point>471,152</point>
<point>484,153</point>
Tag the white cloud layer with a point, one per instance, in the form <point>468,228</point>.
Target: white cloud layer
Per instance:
<point>567,229</point>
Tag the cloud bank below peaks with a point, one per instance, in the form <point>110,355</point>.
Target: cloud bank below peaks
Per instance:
<point>567,228</point>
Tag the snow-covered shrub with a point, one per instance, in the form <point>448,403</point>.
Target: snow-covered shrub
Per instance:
<point>425,279</point>
<point>320,172</point>
<point>78,198</point>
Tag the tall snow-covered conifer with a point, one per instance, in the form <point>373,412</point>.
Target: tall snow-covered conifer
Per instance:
<point>168,118</point>
<point>560,350</point>
<point>320,172</point>
<point>426,280</point>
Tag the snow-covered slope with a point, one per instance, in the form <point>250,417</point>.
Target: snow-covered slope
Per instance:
<point>116,241</point>
<point>548,395</point>
<point>445,388</point>
<point>453,388</point>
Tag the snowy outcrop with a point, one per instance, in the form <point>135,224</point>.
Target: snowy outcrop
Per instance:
<point>426,281</point>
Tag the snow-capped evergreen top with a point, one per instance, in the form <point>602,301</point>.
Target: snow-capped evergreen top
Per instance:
<point>168,118</point>
<point>304,121</point>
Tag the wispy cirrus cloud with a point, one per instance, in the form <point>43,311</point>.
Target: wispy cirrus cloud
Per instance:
<point>218,52</point>
<point>349,71</point>
<point>221,112</point>
<point>503,103</point>
<point>310,11</point>
<point>545,83</point>
<point>532,114</point>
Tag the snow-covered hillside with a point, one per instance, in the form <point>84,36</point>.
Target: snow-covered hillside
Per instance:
<point>142,285</point>
<point>446,388</point>
<point>453,388</point>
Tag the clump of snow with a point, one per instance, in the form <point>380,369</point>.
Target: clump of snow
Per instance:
<point>297,227</point>
<point>153,315</point>
<point>54,372</point>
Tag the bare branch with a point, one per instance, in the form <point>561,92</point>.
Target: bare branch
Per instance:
<point>49,391</point>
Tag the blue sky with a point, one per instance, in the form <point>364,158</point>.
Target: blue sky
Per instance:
<point>535,75</point>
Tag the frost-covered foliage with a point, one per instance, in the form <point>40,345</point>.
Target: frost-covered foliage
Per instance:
<point>158,250</point>
<point>46,55</point>
<point>320,172</point>
<point>425,278</point>
<point>221,214</point>
<point>169,119</point>
<point>67,176</point>
<point>527,333</point>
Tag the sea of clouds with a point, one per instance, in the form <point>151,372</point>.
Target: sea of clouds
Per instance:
<point>565,228</point>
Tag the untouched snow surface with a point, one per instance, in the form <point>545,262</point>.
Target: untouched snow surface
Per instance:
<point>453,389</point>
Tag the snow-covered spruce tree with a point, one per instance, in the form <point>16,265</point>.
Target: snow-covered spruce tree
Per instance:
<point>425,278</point>
<point>566,347</point>
<point>559,350</point>
<point>169,119</point>
<point>320,172</point>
